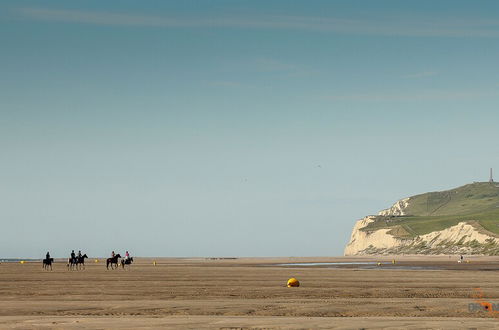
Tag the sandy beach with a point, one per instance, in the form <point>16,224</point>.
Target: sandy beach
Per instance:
<point>415,292</point>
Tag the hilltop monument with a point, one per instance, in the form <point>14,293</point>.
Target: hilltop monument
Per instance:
<point>491,180</point>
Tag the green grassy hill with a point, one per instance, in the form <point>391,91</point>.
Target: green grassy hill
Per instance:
<point>477,202</point>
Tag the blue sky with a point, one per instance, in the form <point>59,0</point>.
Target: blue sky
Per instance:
<point>235,128</point>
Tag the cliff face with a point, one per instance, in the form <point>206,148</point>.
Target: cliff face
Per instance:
<point>362,241</point>
<point>397,209</point>
<point>463,237</point>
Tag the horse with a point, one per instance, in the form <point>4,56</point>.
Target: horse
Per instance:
<point>80,261</point>
<point>113,261</point>
<point>72,262</point>
<point>126,262</point>
<point>47,262</point>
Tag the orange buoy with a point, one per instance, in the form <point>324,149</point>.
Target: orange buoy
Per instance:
<point>293,282</point>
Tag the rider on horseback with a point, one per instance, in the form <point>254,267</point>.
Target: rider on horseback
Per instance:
<point>73,256</point>
<point>47,262</point>
<point>127,255</point>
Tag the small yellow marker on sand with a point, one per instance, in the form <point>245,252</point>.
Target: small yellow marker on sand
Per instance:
<point>96,260</point>
<point>21,262</point>
<point>379,263</point>
<point>393,261</point>
<point>154,263</point>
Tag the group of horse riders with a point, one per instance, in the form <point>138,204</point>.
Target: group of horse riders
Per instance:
<point>73,256</point>
<point>127,255</point>
<point>113,261</point>
<point>75,260</point>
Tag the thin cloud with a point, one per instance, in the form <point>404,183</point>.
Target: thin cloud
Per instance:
<point>224,83</point>
<point>427,95</point>
<point>421,74</point>
<point>271,65</point>
<point>381,26</point>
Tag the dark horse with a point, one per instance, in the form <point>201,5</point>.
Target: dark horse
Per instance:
<point>72,262</point>
<point>113,261</point>
<point>47,262</point>
<point>80,262</point>
<point>126,262</point>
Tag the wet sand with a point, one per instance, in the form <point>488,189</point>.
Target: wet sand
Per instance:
<point>251,293</point>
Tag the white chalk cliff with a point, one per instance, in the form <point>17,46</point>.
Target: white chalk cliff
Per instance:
<point>466,237</point>
<point>397,208</point>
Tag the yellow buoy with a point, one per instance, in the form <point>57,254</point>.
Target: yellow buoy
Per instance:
<point>293,282</point>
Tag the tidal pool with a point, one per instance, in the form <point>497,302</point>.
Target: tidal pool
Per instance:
<point>360,265</point>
